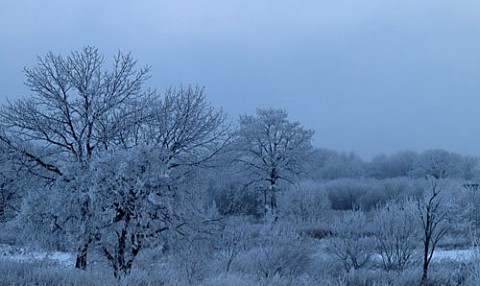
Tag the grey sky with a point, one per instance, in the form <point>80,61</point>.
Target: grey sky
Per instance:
<point>369,76</point>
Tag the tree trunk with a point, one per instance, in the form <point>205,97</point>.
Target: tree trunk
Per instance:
<point>265,204</point>
<point>81,261</point>
<point>424,278</point>
<point>425,259</point>
<point>122,266</point>
<point>273,200</point>
<point>425,267</point>
<point>2,211</point>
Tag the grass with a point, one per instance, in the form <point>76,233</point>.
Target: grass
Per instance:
<point>42,274</point>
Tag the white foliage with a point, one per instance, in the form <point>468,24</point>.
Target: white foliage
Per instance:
<point>397,234</point>
<point>352,244</point>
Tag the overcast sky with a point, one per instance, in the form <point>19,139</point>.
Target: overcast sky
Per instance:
<point>369,76</point>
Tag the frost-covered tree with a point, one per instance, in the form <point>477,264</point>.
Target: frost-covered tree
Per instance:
<point>467,206</point>
<point>331,165</point>
<point>73,112</point>
<point>433,213</point>
<point>401,164</point>
<point>273,148</point>
<point>181,130</point>
<point>441,164</point>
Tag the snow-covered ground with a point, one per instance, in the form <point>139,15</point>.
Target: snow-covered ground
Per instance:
<point>460,255</point>
<point>22,254</point>
<point>68,259</point>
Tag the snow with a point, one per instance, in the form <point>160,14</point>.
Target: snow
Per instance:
<point>460,255</point>
<point>25,255</point>
<point>68,259</point>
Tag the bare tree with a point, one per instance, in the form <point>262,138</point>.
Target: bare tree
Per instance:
<point>73,111</point>
<point>182,133</point>
<point>273,148</point>
<point>189,130</point>
<point>432,213</point>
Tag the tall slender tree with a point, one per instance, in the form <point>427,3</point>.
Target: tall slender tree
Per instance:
<point>433,212</point>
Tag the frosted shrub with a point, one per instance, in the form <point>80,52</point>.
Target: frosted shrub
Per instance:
<point>192,260</point>
<point>279,252</point>
<point>232,242</point>
<point>348,194</point>
<point>306,202</point>
<point>396,234</point>
<point>352,244</point>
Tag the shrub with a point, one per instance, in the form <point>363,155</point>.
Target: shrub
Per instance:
<point>279,252</point>
<point>351,244</point>
<point>306,202</point>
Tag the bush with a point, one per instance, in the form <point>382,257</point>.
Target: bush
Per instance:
<point>351,244</point>
<point>396,234</point>
<point>306,202</point>
<point>280,252</point>
<point>348,194</point>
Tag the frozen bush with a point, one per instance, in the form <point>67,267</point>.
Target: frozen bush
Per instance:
<point>192,260</point>
<point>232,242</point>
<point>348,194</point>
<point>396,234</point>
<point>352,244</point>
<point>233,198</point>
<point>306,202</point>
<point>331,165</point>
<point>279,251</point>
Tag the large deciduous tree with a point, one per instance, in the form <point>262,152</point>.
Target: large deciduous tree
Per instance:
<point>136,192</point>
<point>273,148</point>
<point>441,164</point>
<point>113,154</point>
<point>76,109</point>
<point>141,193</point>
